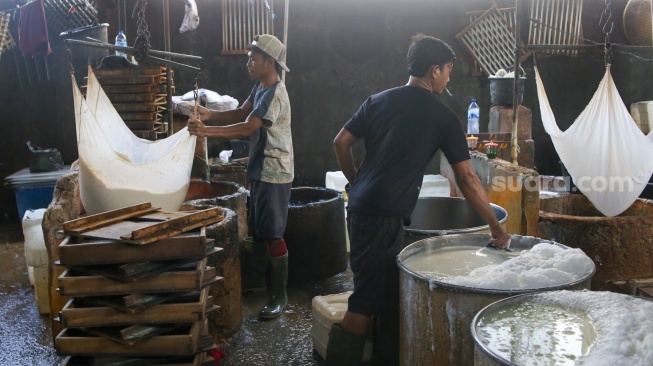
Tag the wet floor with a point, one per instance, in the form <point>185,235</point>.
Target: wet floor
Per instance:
<point>25,336</point>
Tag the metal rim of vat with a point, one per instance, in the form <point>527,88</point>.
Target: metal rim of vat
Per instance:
<point>460,201</point>
<point>499,304</point>
<point>482,238</point>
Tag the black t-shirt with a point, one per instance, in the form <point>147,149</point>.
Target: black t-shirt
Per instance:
<point>402,129</point>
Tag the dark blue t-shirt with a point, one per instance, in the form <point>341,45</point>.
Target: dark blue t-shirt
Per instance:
<point>402,129</point>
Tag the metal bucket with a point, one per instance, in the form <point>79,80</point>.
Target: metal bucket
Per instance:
<point>435,323</point>
<point>437,216</point>
<point>528,336</point>
<point>502,90</point>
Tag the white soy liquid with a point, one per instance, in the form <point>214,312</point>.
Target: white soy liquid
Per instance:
<point>97,197</point>
<point>531,334</point>
<point>454,261</point>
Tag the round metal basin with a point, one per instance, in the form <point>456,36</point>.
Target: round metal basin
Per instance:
<point>437,216</point>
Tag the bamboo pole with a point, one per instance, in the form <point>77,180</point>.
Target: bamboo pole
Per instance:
<point>515,94</point>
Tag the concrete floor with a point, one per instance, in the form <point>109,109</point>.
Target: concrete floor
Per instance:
<point>25,336</point>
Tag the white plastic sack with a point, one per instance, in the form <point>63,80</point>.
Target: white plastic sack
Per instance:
<point>118,169</point>
<point>606,154</point>
<point>191,17</point>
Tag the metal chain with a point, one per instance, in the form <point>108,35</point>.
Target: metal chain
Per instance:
<point>142,44</point>
<point>607,13</point>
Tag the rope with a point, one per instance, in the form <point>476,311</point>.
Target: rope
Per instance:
<point>607,48</point>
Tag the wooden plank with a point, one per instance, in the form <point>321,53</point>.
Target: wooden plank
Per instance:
<point>78,226</point>
<point>132,303</point>
<point>130,72</point>
<point>197,360</point>
<point>141,120</point>
<point>134,271</point>
<point>139,107</point>
<point>71,284</point>
<point>84,251</point>
<point>149,227</point>
<point>188,308</point>
<point>132,334</point>
<point>132,79</point>
<point>182,223</point>
<point>181,342</point>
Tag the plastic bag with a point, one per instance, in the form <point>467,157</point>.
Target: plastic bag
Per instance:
<point>191,17</point>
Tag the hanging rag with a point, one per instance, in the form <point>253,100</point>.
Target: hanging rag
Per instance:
<point>33,30</point>
<point>6,40</point>
<point>118,169</point>
<point>191,17</point>
<point>606,154</point>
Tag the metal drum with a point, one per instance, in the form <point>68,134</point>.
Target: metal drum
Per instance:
<point>564,328</point>
<point>435,316</point>
<point>437,216</point>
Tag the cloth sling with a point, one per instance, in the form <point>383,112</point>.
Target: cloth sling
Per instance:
<point>118,169</point>
<point>608,157</point>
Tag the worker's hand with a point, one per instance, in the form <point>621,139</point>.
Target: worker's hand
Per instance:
<point>203,114</point>
<point>500,238</point>
<point>196,127</point>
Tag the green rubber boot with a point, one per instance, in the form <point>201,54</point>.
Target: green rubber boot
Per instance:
<point>344,348</point>
<point>277,297</point>
<point>254,265</point>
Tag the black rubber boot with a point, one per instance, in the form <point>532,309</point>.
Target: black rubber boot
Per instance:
<point>344,348</point>
<point>277,297</point>
<point>254,265</point>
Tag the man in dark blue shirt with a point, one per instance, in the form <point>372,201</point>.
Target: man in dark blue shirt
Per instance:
<point>402,129</point>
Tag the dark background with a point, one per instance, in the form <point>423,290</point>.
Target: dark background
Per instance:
<point>339,52</point>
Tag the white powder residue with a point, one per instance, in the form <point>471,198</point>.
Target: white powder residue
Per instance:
<point>624,326</point>
<point>545,265</point>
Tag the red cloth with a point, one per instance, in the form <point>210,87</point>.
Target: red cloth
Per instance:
<point>33,30</point>
<point>217,355</point>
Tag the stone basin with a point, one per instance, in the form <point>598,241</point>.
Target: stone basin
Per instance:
<point>621,246</point>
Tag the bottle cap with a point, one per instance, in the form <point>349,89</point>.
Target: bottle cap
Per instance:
<point>473,100</point>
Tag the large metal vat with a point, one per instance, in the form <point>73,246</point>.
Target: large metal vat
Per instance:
<point>315,234</point>
<point>437,216</point>
<point>435,316</point>
<point>542,328</point>
<point>621,246</point>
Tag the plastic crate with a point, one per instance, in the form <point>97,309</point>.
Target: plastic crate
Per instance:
<point>33,197</point>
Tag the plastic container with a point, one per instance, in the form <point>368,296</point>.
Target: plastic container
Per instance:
<point>33,197</point>
<point>36,257</point>
<point>121,40</point>
<point>473,115</point>
<point>327,310</point>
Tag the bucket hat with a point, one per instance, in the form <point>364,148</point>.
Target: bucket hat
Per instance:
<point>272,46</point>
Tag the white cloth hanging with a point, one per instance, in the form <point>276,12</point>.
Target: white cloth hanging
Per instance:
<point>118,169</point>
<point>608,157</point>
<point>191,17</point>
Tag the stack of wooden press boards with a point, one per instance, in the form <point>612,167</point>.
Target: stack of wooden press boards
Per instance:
<point>139,96</point>
<point>138,283</point>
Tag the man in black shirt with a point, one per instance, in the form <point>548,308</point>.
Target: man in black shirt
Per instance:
<point>402,128</point>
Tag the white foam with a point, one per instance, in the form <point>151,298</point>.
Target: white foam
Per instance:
<point>545,265</point>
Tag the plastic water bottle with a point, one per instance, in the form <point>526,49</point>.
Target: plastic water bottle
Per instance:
<point>473,113</point>
<point>121,40</point>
